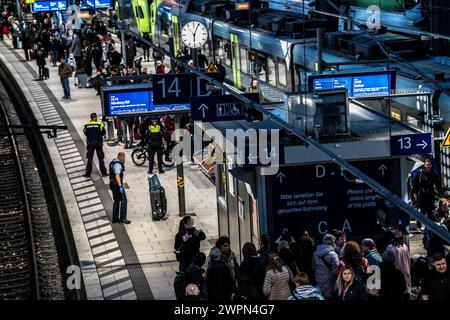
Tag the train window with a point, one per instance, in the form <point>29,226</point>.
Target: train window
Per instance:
<point>227,50</point>
<point>262,68</point>
<point>396,114</point>
<point>271,73</point>
<point>139,12</point>
<point>244,64</point>
<point>282,73</point>
<point>413,121</point>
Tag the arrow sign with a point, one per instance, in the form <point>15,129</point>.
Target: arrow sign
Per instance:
<point>219,108</point>
<point>424,144</point>
<point>382,168</point>
<point>280,176</point>
<point>414,143</point>
<point>203,107</point>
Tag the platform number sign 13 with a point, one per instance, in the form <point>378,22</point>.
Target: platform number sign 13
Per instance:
<point>171,88</point>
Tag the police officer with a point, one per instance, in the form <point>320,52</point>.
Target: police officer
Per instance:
<point>116,170</point>
<point>94,131</point>
<point>155,137</point>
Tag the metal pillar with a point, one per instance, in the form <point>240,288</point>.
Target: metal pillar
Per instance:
<point>122,42</point>
<point>319,51</point>
<point>180,176</point>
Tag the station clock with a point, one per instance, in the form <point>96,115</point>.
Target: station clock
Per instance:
<point>194,34</point>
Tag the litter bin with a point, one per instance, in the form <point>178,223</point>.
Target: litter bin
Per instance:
<point>158,200</point>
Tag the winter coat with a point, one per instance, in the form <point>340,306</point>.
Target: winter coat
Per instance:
<point>75,48</point>
<point>289,260</point>
<point>277,284</point>
<point>393,285</point>
<point>373,258</point>
<point>325,263</point>
<point>251,275</point>
<point>219,283</point>
<point>40,57</point>
<point>356,292</point>
<point>194,274</point>
<point>64,71</point>
<point>402,261</point>
<point>307,292</point>
<point>189,248</point>
<point>264,253</point>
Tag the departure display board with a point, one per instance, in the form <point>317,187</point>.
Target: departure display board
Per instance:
<point>46,6</point>
<point>130,100</point>
<point>369,84</point>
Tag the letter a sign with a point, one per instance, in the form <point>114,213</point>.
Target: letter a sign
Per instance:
<point>446,141</point>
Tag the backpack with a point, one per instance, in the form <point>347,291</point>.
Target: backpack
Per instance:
<point>179,285</point>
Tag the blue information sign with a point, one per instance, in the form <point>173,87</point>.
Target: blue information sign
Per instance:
<point>46,6</point>
<point>219,108</point>
<point>411,144</point>
<point>96,4</point>
<point>367,84</point>
<point>134,100</point>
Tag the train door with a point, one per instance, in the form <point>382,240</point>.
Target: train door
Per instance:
<point>175,34</point>
<point>153,8</point>
<point>235,60</point>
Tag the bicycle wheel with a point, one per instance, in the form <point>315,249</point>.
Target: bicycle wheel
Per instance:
<point>139,156</point>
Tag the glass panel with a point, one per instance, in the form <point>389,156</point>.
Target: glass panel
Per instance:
<point>272,75</point>
<point>282,74</point>
<point>244,64</point>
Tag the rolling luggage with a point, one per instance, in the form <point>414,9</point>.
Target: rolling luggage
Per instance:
<point>158,203</point>
<point>158,199</point>
<point>82,80</point>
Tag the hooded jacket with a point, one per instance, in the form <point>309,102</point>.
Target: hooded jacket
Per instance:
<point>306,292</point>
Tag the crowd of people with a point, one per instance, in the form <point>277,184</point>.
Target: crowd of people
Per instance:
<point>296,268</point>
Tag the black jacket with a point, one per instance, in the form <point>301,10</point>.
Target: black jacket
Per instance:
<point>189,248</point>
<point>194,274</point>
<point>219,282</point>
<point>437,286</point>
<point>355,292</point>
<point>393,283</point>
<point>251,275</point>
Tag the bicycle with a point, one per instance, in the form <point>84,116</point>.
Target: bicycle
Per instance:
<point>139,155</point>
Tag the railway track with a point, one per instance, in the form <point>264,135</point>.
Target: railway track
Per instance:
<point>29,261</point>
<point>18,262</point>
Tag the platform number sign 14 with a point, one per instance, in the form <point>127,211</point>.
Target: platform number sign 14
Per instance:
<point>171,88</point>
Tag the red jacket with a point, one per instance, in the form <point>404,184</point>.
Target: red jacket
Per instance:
<point>160,69</point>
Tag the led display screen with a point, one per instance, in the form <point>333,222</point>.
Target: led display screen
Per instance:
<point>368,84</point>
<point>46,6</point>
<point>134,100</point>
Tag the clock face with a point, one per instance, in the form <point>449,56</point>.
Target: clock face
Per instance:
<point>194,34</point>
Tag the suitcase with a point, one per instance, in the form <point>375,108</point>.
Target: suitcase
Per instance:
<point>46,72</point>
<point>158,203</point>
<point>82,80</point>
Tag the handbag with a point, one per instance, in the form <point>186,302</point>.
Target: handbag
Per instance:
<point>178,253</point>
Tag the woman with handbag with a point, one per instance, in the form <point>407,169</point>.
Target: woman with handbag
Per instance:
<point>187,242</point>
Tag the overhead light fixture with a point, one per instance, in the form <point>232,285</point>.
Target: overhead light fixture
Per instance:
<point>242,6</point>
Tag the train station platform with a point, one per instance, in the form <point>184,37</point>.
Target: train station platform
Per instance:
<point>134,261</point>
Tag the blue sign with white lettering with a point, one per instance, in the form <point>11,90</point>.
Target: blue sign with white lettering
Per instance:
<point>121,103</point>
<point>46,6</point>
<point>96,4</point>
<point>134,100</point>
<point>219,108</point>
<point>367,84</point>
<point>409,144</point>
